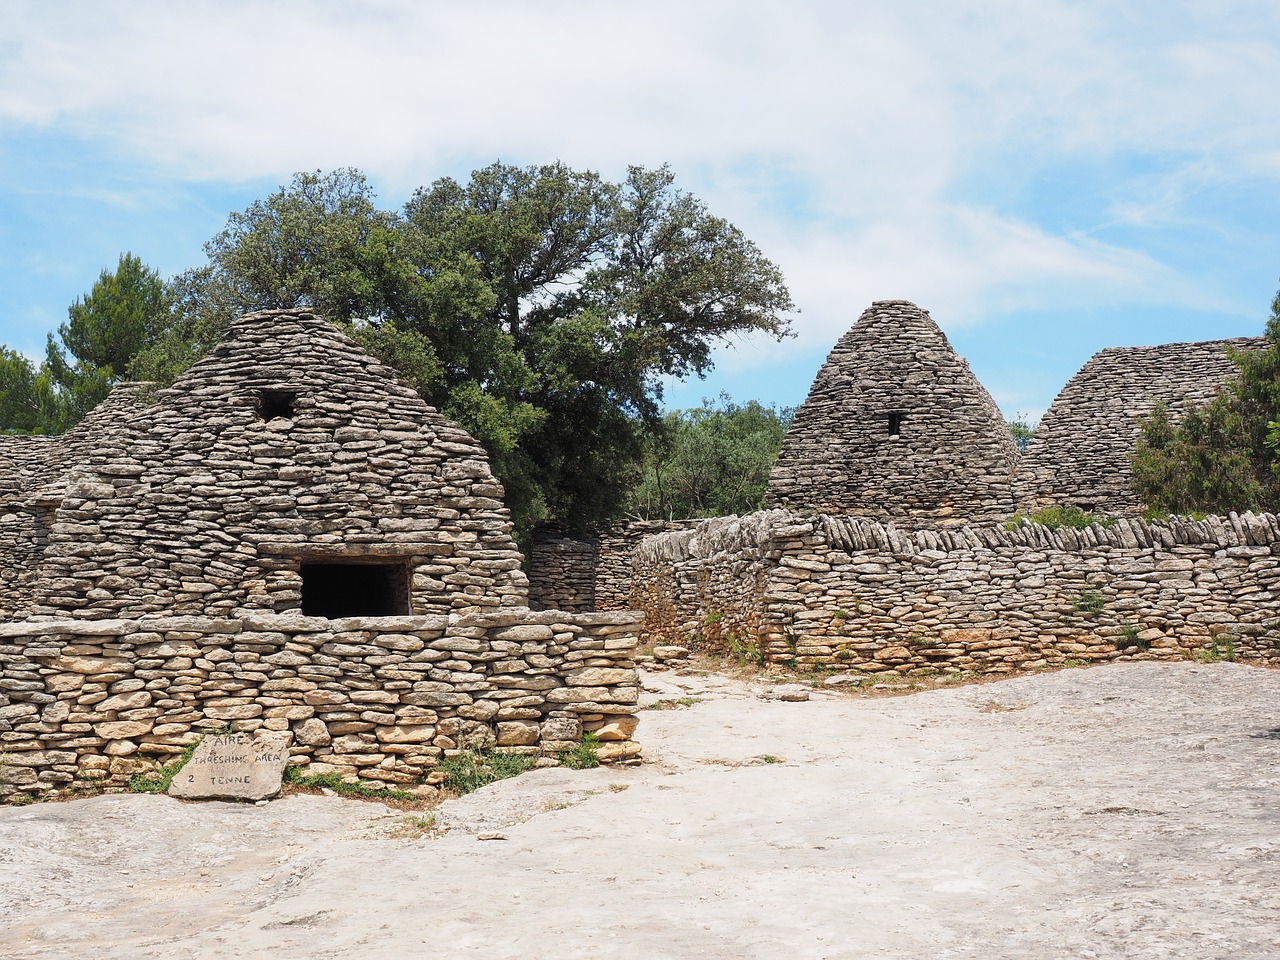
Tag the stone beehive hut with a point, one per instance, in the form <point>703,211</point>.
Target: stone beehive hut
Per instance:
<point>896,427</point>
<point>286,471</point>
<point>1080,452</point>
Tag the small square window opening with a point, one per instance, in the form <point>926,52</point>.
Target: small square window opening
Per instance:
<point>355,589</point>
<point>895,424</point>
<point>275,404</point>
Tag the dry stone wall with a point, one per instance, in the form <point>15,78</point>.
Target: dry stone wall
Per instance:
<point>22,459</point>
<point>562,572</point>
<point>162,554</point>
<point>896,426</point>
<point>708,586</point>
<point>618,543</point>
<point>90,702</point>
<point>1080,451</point>
<point>592,571</point>
<point>842,593</point>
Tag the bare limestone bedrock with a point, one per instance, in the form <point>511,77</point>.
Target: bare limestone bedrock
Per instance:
<point>153,576</point>
<point>896,425</point>
<point>853,594</point>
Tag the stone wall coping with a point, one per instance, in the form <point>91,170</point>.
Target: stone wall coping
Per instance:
<point>856,534</point>
<point>346,547</point>
<point>293,623</point>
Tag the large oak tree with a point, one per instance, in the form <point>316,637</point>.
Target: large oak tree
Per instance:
<point>541,307</point>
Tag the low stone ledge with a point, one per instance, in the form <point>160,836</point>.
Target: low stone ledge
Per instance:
<point>83,628</point>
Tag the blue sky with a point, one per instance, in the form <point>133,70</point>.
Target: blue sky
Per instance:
<point>1046,178</point>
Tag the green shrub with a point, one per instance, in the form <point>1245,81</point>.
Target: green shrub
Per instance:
<point>472,769</point>
<point>1224,647</point>
<point>745,650</point>
<point>1089,601</point>
<point>1057,516</point>
<point>1131,639</point>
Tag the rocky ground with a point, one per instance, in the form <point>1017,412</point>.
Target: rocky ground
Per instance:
<point>1128,810</point>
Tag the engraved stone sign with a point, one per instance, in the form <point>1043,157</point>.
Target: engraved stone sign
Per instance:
<point>233,766</point>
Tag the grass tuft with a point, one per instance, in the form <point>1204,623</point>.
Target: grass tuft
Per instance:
<point>343,788</point>
<point>161,777</point>
<point>472,769</point>
<point>583,756</point>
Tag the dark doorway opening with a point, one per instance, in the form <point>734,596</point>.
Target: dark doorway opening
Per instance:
<point>895,423</point>
<point>274,404</point>
<point>355,589</point>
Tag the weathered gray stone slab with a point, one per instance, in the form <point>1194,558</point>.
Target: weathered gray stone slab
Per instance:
<point>236,766</point>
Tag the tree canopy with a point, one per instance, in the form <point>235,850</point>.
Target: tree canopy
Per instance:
<point>1022,431</point>
<point>540,307</point>
<point>1222,455</point>
<point>709,461</point>
<point>29,401</point>
<point>105,330</point>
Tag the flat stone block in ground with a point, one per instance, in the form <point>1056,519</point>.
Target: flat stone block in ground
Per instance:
<point>236,766</point>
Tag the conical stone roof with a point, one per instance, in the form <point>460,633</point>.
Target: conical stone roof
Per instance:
<point>897,427</point>
<point>287,444</point>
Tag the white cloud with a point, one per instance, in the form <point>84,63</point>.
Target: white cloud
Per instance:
<point>853,141</point>
<point>868,98</point>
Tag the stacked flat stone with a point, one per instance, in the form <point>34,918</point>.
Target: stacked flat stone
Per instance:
<point>591,571</point>
<point>617,542</point>
<point>896,426</point>
<point>205,501</point>
<point>1080,452</point>
<point>22,459</point>
<point>160,550</point>
<point>23,532</point>
<point>87,703</point>
<point>562,572</point>
<point>32,471</point>
<point>843,593</point>
<point>27,464</point>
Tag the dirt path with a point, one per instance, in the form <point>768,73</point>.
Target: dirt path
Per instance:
<point>1131,810</point>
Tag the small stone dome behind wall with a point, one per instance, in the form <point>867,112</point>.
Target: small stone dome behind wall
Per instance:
<point>897,427</point>
<point>32,483</point>
<point>1080,452</point>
